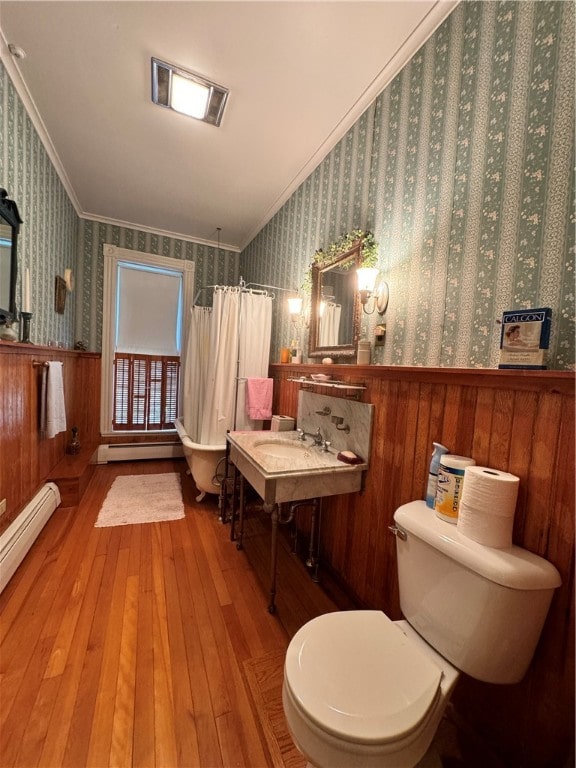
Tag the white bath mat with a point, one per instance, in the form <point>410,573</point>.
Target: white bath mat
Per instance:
<point>142,499</point>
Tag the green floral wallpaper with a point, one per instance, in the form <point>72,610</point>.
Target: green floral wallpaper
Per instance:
<point>464,170</point>
<point>48,236</point>
<point>212,267</point>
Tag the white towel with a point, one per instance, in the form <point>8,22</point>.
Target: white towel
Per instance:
<point>259,398</point>
<point>52,407</point>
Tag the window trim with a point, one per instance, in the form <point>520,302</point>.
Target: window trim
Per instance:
<point>112,255</point>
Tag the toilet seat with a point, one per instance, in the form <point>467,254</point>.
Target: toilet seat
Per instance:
<point>358,677</point>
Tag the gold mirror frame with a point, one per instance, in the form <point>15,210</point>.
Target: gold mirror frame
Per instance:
<point>344,263</point>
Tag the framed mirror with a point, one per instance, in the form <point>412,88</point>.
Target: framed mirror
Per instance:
<point>9,225</point>
<point>335,310</point>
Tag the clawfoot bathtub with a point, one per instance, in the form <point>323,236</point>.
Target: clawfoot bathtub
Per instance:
<point>203,461</point>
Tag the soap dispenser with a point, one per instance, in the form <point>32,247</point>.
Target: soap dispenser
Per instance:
<point>437,453</point>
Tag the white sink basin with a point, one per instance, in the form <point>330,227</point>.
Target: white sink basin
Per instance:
<point>283,449</point>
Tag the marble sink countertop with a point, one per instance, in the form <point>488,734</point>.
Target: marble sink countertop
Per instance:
<point>302,457</point>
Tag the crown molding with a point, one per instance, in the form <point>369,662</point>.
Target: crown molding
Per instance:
<point>34,115</point>
<point>435,16</point>
<point>159,232</point>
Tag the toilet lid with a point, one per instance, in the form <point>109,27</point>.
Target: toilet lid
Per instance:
<point>356,675</point>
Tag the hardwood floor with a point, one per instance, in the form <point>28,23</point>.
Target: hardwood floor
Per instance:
<point>129,646</point>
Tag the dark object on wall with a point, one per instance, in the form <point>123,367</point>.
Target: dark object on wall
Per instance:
<point>74,446</point>
<point>59,295</point>
<point>9,225</point>
<point>81,346</point>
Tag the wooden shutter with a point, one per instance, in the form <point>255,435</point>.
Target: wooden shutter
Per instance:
<point>171,383</point>
<point>122,416</point>
<point>145,391</point>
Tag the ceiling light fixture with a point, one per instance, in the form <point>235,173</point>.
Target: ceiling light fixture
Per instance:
<point>187,93</point>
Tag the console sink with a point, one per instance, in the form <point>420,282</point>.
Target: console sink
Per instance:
<point>282,468</point>
<point>285,471</point>
<point>285,468</point>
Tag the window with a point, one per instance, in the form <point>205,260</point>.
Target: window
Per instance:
<point>144,296</point>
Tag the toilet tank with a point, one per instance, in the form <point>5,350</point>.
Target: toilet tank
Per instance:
<point>481,608</point>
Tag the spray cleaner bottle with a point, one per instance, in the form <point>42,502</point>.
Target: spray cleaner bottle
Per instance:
<point>439,450</point>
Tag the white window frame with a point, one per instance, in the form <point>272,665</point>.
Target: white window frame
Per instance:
<point>113,255</point>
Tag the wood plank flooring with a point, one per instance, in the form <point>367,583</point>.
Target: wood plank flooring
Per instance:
<point>130,646</point>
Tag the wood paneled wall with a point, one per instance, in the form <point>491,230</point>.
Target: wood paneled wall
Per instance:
<point>26,458</point>
<point>521,422</point>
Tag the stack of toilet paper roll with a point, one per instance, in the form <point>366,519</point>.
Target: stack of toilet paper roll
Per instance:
<point>487,506</point>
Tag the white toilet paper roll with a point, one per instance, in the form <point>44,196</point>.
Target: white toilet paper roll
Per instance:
<point>487,506</point>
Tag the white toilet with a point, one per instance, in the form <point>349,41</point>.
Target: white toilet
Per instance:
<point>363,691</point>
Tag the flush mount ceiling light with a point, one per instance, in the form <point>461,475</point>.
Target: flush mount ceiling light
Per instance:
<point>187,93</point>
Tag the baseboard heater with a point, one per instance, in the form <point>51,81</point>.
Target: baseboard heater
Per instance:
<point>23,531</point>
<point>137,451</point>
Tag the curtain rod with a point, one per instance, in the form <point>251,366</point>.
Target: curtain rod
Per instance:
<point>242,285</point>
<point>273,287</point>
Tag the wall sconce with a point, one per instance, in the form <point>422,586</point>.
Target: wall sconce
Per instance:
<point>370,289</point>
<point>295,306</point>
<point>299,314</point>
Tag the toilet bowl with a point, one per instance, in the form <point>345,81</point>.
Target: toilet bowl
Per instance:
<point>363,691</point>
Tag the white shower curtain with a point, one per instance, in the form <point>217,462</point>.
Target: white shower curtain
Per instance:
<point>218,410</point>
<point>231,340</point>
<point>330,325</point>
<point>195,365</point>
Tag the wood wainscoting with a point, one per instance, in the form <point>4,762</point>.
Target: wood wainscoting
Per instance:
<point>516,421</point>
<point>28,460</point>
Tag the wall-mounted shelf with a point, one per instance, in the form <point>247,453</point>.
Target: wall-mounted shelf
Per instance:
<point>331,383</point>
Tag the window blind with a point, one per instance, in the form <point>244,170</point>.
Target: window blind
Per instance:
<point>148,318</point>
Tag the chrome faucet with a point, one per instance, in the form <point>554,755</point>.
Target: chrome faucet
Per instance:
<point>317,436</point>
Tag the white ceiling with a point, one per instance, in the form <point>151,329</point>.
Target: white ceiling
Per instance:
<point>299,74</point>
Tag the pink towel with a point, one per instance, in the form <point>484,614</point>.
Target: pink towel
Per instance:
<point>259,398</point>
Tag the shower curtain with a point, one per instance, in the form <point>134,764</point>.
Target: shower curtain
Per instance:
<point>195,368</point>
<point>235,345</point>
<point>329,325</point>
